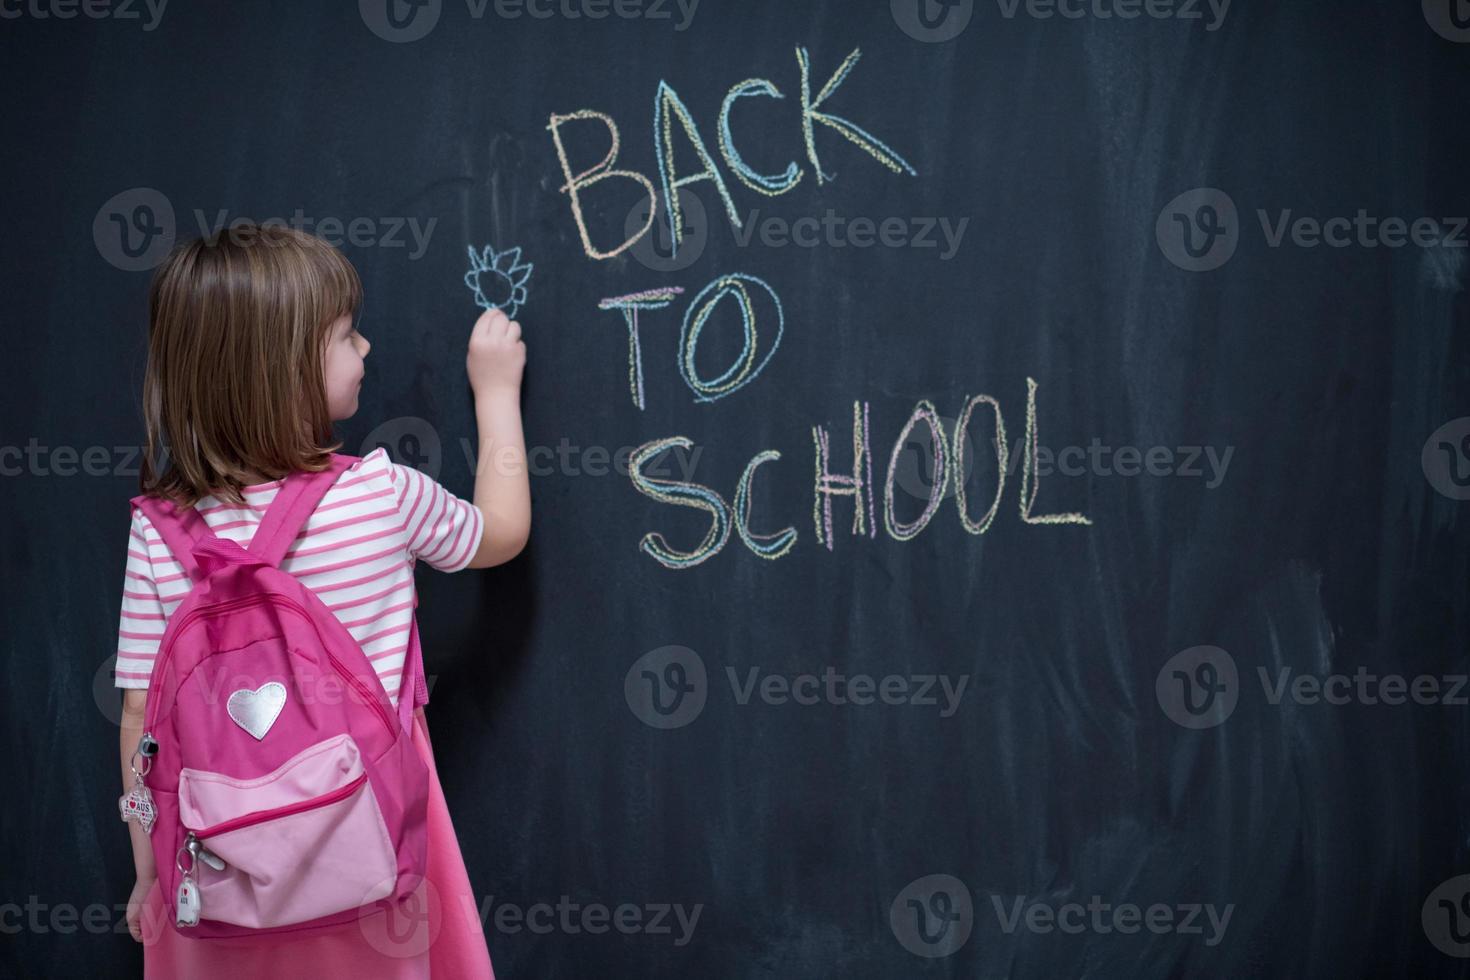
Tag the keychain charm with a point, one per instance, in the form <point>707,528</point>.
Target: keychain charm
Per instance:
<point>137,803</point>
<point>186,902</point>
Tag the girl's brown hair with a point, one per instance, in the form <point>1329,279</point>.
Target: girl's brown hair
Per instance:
<point>237,329</point>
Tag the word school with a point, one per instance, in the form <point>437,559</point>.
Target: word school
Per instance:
<point>948,457</point>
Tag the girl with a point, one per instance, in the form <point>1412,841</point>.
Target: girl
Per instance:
<point>252,355</point>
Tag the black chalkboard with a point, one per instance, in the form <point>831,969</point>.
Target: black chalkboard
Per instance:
<point>1187,701</point>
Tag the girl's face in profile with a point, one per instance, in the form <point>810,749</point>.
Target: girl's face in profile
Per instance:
<point>342,366</point>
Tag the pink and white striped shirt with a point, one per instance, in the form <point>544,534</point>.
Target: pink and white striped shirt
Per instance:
<point>356,552</point>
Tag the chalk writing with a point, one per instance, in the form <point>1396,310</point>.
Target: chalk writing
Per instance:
<point>809,114</point>
<point>735,286</point>
<point>744,370</point>
<point>900,531</point>
<point>596,174</point>
<point>667,107</point>
<point>498,280</point>
<point>771,546</point>
<point>649,299</point>
<point>948,462</point>
<point>829,484</point>
<point>681,494</point>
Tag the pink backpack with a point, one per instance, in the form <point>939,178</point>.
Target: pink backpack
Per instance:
<point>287,792</point>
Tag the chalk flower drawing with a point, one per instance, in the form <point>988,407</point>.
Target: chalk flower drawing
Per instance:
<point>498,280</point>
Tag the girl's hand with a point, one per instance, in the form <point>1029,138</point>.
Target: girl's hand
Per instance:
<point>136,901</point>
<point>497,355</point>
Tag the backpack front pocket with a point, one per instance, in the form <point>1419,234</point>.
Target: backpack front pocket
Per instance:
<point>304,841</point>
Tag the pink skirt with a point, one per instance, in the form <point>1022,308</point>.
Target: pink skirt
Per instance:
<point>436,932</point>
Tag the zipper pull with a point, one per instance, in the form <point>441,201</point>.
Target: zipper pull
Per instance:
<point>209,857</point>
<point>199,852</point>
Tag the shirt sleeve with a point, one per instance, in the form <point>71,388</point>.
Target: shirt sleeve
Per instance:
<point>442,529</point>
<point>141,624</point>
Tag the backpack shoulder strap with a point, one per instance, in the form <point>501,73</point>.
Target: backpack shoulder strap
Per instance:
<point>413,689</point>
<point>181,528</point>
<point>293,504</point>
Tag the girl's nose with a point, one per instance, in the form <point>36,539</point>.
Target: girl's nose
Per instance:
<point>366,345</point>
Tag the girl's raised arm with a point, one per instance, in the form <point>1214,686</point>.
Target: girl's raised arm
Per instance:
<point>495,362</point>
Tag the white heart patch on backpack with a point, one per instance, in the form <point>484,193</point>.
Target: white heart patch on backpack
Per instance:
<point>256,711</point>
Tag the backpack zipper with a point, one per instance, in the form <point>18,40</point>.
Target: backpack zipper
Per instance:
<point>194,840</point>
<point>286,810</point>
<point>151,714</point>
